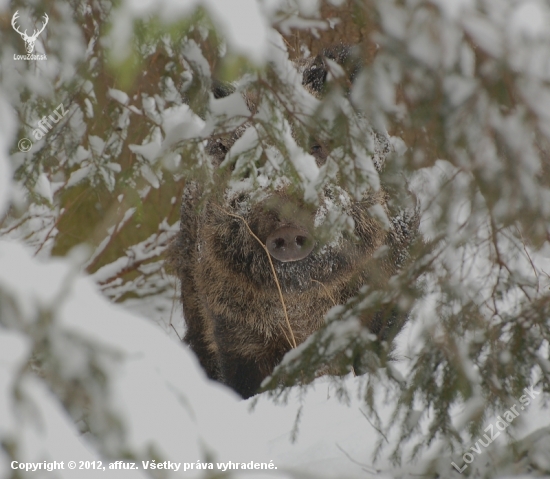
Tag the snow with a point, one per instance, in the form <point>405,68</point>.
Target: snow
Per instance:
<point>79,175</point>
<point>244,25</point>
<point>50,435</point>
<point>230,106</point>
<point>71,357</point>
<point>529,19</point>
<point>14,349</point>
<point>150,150</point>
<point>30,292</point>
<point>150,176</point>
<point>5,174</point>
<point>97,144</point>
<point>6,137</point>
<point>44,188</point>
<point>119,96</point>
<point>189,415</point>
<point>453,9</point>
<point>241,20</point>
<point>485,34</point>
<point>180,123</point>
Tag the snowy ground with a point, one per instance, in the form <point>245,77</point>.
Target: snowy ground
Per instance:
<point>165,402</point>
<point>151,401</point>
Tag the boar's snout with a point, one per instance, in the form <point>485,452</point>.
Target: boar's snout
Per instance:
<point>289,243</point>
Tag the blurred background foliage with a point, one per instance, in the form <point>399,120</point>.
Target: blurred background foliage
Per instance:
<point>462,90</point>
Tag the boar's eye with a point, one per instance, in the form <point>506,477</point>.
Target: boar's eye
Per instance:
<point>319,153</point>
<point>221,147</point>
<point>217,151</point>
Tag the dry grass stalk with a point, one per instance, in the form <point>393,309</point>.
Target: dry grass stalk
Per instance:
<point>326,291</point>
<point>292,340</point>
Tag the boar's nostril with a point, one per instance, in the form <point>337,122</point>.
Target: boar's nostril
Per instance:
<point>279,243</point>
<point>289,243</point>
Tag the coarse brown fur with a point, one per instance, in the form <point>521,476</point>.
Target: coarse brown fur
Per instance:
<point>235,320</point>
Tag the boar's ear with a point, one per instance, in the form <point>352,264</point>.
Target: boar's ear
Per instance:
<point>218,147</point>
<point>315,74</point>
<point>222,89</point>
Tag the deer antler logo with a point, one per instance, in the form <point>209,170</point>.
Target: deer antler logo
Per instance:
<point>29,41</point>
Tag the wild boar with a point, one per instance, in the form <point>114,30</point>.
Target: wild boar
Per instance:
<point>235,259</point>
